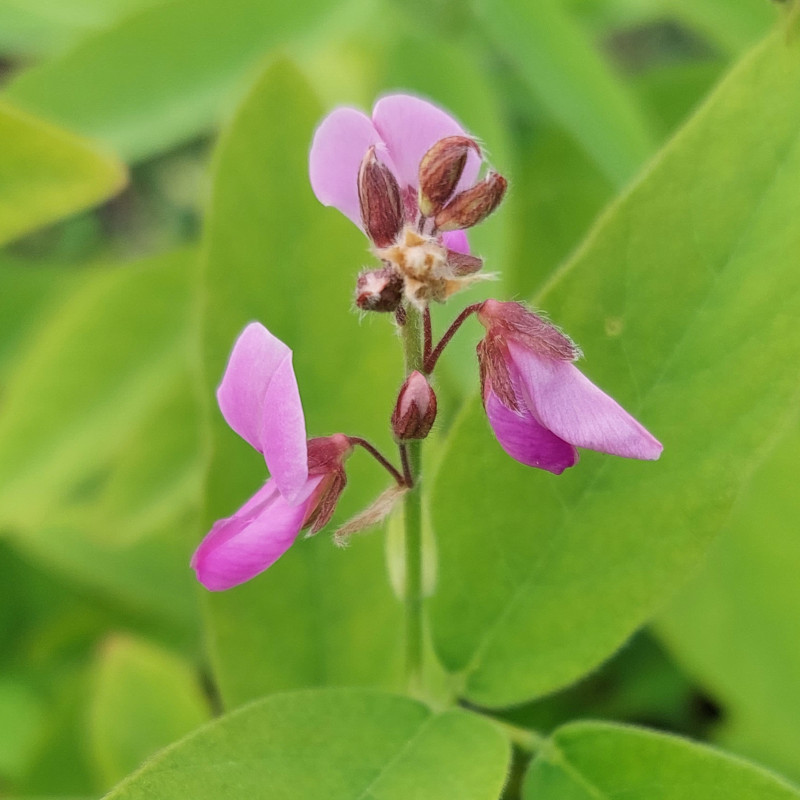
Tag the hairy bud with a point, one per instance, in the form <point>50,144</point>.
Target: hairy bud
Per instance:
<point>473,205</point>
<point>379,289</point>
<point>415,410</point>
<point>440,171</point>
<point>380,200</point>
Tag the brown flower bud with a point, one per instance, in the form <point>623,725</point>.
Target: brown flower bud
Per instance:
<point>415,410</point>
<point>473,205</point>
<point>379,289</point>
<point>380,200</point>
<point>440,171</point>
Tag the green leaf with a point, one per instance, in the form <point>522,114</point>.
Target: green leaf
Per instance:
<point>47,173</point>
<point>29,291</point>
<point>597,761</point>
<point>735,626</point>
<point>274,254</point>
<point>23,715</point>
<point>559,64</point>
<point>557,189</point>
<point>198,56</point>
<point>39,27</point>
<point>685,299</point>
<point>60,766</point>
<point>733,24</point>
<point>347,744</point>
<point>99,451</point>
<point>670,93</point>
<point>144,697</point>
<point>49,634</point>
<point>557,193</point>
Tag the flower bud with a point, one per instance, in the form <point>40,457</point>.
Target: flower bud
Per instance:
<point>380,200</point>
<point>473,205</point>
<point>415,410</point>
<point>440,171</point>
<point>379,289</point>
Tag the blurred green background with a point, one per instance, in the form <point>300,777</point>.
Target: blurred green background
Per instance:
<point>153,199</point>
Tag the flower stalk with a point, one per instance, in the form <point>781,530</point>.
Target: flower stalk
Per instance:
<point>432,356</point>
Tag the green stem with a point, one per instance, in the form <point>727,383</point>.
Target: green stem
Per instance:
<point>413,347</point>
<point>413,594</point>
<point>412,339</point>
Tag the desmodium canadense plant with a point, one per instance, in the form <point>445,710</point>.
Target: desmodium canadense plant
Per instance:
<point>410,178</point>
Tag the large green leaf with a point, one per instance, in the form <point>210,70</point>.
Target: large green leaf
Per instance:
<point>143,698</point>
<point>38,27</point>
<point>163,75</point>
<point>735,626</point>
<point>49,634</point>
<point>734,24</point>
<point>99,451</point>
<point>47,173</point>
<point>557,190</point>
<point>23,718</point>
<point>340,744</point>
<point>274,254</point>
<point>558,62</point>
<point>29,290</point>
<point>685,298</point>
<point>596,761</point>
<point>557,193</point>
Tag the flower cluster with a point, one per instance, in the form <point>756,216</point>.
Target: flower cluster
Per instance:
<point>409,178</point>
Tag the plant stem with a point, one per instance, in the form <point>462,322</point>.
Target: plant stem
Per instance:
<point>427,336</point>
<point>412,339</point>
<point>413,347</point>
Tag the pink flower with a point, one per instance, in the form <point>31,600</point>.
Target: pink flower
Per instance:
<point>402,130</point>
<point>260,400</point>
<point>539,404</point>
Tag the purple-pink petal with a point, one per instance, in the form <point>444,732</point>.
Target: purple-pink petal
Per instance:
<point>255,537</point>
<point>525,440</point>
<point>339,145</point>
<point>410,126</point>
<point>566,402</point>
<point>456,240</point>
<point>259,398</point>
